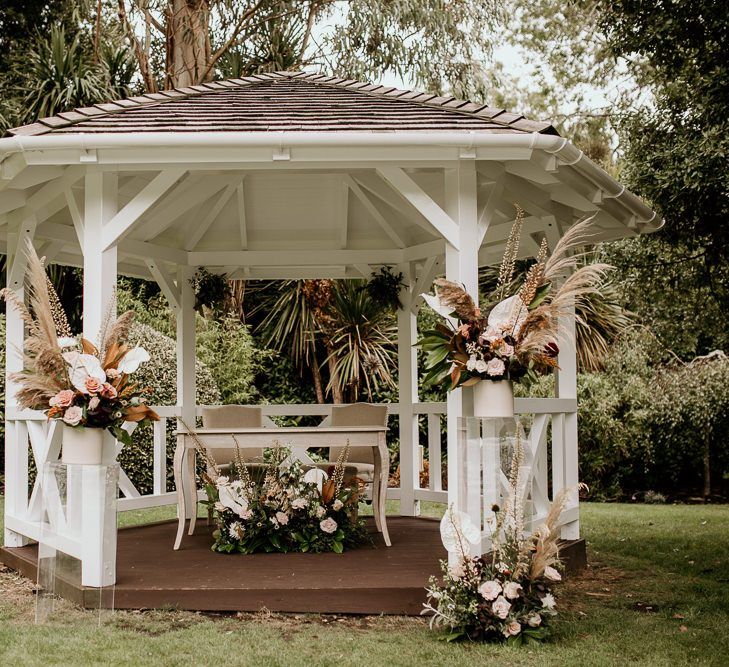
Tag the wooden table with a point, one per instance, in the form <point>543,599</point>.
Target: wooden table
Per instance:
<point>299,439</point>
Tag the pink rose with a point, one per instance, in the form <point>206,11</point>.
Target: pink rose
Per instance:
<point>282,518</point>
<point>113,373</point>
<point>93,385</point>
<point>94,403</point>
<point>328,525</point>
<point>107,391</point>
<point>73,415</point>
<point>490,589</point>
<point>62,399</point>
<point>501,607</point>
<point>495,367</point>
<point>512,590</point>
<point>514,628</point>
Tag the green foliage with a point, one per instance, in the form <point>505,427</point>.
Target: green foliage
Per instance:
<point>160,375</point>
<point>212,290</point>
<point>384,287</point>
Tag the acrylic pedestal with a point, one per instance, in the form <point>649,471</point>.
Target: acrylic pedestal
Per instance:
<point>77,545</point>
<point>486,448</point>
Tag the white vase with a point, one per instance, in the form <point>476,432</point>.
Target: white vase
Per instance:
<point>493,399</point>
<point>87,446</point>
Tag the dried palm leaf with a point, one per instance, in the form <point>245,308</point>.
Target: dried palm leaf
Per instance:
<point>119,331</point>
<point>454,296</point>
<point>546,537</point>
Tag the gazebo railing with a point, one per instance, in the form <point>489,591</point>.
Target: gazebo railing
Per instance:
<point>32,437</point>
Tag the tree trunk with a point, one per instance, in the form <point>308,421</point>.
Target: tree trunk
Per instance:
<point>333,380</point>
<point>188,43</point>
<point>316,373</point>
<point>707,465</point>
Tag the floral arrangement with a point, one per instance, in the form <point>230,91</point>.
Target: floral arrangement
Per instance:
<point>507,594</point>
<point>288,508</point>
<point>516,334</point>
<point>70,378</point>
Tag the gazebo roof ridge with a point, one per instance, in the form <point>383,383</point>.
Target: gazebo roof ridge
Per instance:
<point>459,114</point>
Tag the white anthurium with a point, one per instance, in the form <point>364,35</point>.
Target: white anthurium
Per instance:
<point>434,302</point>
<point>132,360</point>
<point>232,501</point>
<point>82,367</point>
<point>65,342</point>
<point>316,476</point>
<point>506,312</point>
<point>457,531</point>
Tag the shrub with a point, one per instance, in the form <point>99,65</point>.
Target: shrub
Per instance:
<point>160,374</point>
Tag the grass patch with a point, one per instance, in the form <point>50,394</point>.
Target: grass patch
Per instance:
<point>656,593</point>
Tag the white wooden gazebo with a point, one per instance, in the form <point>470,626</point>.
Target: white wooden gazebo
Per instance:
<point>286,176</point>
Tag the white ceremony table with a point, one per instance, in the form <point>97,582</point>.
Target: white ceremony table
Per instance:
<point>299,439</point>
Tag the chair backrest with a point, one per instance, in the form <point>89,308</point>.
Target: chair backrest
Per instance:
<point>232,417</point>
<point>357,414</point>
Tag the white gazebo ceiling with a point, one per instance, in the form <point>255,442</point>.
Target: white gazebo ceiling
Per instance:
<point>294,174</point>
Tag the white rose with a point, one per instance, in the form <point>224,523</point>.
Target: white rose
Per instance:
<point>471,363</point>
<point>501,607</point>
<point>490,589</point>
<point>552,574</point>
<point>320,512</point>
<point>328,525</point>
<point>337,505</point>
<point>512,590</point>
<point>298,503</point>
<point>481,366</point>
<point>534,621</point>
<point>282,518</point>
<point>548,601</point>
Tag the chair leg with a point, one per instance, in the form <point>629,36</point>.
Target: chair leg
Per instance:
<point>177,465</point>
<point>193,491</point>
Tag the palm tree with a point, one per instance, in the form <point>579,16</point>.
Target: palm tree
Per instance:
<point>60,77</point>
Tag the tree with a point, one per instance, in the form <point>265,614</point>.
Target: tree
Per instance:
<point>437,43</point>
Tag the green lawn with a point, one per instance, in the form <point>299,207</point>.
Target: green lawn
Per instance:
<point>657,593</point>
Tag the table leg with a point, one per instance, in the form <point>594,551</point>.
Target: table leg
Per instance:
<point>177,467</point>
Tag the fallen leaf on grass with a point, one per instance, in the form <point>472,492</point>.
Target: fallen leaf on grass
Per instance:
<point>599,595</point>
<point>682,628</point>
<point>679,616</point>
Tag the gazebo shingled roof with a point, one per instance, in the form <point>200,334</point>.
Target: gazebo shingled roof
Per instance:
<point>285,101</point>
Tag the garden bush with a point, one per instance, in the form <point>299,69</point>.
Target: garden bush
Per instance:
<point>160,374</point>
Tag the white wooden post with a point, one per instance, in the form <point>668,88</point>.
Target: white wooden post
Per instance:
<point>461,265</point>
<point>566,387</point>
<point>408,395</point>
<point>186,390</point>
<point>100,265</point>
<point>16,437</point>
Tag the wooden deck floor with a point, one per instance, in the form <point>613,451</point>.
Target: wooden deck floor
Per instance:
<point>371,580</point>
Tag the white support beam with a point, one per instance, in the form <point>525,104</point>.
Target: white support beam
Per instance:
<point>202,227</point>
<point>423,203</point>
<point>12,199</point>
<point>124,221</point>
<point>76,215</point>
<point>374,212</point>
<point>242,223</point>
<point>166,284</point>
<point>186,389</point>
<point>461,264</point>
<point>343,213</point>
<point>55,188</point>
<point>191,191</point>
<point>50,250</point>
<point>295,257</point>
<point>408,397</point>
<point>100,263</point>
<point>489,209</point>
<point>364,269</point>
<point>431,269</point>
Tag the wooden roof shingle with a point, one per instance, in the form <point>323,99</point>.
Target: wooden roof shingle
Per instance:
<point>285,102</point>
